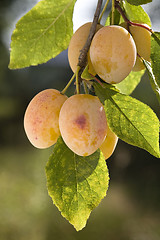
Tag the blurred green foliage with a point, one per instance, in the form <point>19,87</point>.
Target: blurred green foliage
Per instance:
<point>131,209</point>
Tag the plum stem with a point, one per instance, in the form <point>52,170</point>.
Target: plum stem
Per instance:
<point>85,87</point>
<point>113,10</point>
<point>77,80</point>
<point>123,14</point>
<point>97,80</point>
<point>104,9</point>
<point>68,84</point>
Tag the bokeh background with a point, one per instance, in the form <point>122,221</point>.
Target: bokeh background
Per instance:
<point>131,210</point>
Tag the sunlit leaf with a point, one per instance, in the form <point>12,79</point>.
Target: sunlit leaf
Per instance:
<point>136,13</point>
<point>152,78</point>
<point>76,184</point>
<point>131,120</point>
<point>42,33</point>
<point>155,56</point>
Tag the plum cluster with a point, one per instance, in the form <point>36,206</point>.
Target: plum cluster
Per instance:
<point>81,119</point>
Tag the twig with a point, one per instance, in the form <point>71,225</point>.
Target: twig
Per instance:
<point>83,53</point>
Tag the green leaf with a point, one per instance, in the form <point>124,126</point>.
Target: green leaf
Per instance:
<point>128,85</point>
<point>76,184</point>
<point>131,120</point>
<point>42,33</point>
<point>138,2</point>
<point>116,18</point>
<point>155,56</point>
<point>152,78</point>
<point>86,75</point>
<point>136,13</point>
<point>108,20</point>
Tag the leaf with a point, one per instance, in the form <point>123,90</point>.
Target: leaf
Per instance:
<point>76,184</point>
<point>86,75</point>
<point>131,120</point>
<point>155,56</point>
<point>138,2</point>
<point>42,33</point>
<point>153,82</point>
<point>136,13</point>
<point>128,85</point>
<point>116,18</point>
<point>108,20</point>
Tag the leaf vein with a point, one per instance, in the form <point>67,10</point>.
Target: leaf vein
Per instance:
<point>132,124</point>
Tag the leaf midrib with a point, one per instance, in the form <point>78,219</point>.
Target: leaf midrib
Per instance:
<point>133,125</point>
<point>55,20</point>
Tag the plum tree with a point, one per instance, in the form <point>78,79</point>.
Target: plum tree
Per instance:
<point>41,118</point>
<point>142,38</point>
<point>82,123</point>
<point>76,44</point>
<point>113,53</point>
<point>109,144</point>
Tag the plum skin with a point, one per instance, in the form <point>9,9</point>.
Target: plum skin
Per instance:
<point>83,124</point>
<point>142,38</point>
<point>41,119</point>
<point>109,144</point>
<point>113,53</point>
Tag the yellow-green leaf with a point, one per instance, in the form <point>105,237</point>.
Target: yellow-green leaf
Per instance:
<point>128,85</point>
<point>152,78</point>
<point>155,56</point>
<point>131,120</point>
<point>136,13</point>
<point>86,75</point>
<point>42,33</point>
<point>76,184</point>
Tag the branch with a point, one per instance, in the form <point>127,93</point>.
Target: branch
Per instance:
<point>83,53</point>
